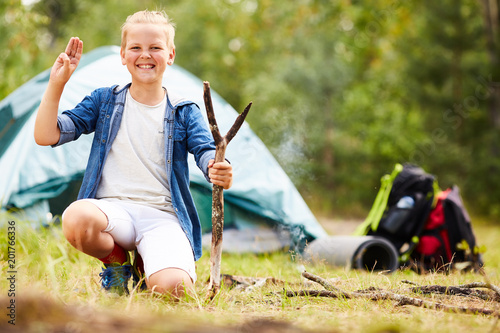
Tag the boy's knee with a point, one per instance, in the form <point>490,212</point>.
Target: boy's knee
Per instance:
<point>173,281</point>
<point>72,218</point>
<point>79,216</point>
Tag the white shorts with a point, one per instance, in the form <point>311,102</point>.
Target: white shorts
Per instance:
<point>157,235</point>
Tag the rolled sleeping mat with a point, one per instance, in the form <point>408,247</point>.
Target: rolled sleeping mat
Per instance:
<point>361,252</point>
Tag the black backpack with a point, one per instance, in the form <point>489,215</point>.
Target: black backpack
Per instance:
<point>406,212</point>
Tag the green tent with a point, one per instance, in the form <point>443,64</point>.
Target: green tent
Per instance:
<point>262,204</point>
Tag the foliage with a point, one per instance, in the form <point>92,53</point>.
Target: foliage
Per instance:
<point>21,43</point>
<point>341,90</point>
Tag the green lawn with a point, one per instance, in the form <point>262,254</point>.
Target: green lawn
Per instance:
<point>57,289</point>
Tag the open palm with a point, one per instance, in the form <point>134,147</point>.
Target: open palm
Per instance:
<point>67,62</point>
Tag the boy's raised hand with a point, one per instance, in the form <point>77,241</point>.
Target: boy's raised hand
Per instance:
<point>67,61</point>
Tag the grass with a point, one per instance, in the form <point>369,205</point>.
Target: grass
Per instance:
<point>57,289</point>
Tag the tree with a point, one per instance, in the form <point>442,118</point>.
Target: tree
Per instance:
<point>22,53</point>
<point>342,90</point>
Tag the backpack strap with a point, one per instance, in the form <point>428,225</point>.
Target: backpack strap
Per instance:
<point>373,219</point>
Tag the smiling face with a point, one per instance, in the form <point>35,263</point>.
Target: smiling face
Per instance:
<point>146,54</point>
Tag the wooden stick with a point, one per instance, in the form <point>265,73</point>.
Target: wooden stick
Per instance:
<point>375,295</point>
<point>482,285</point>
<point>467,290</point>
<point>327,285</point>
<point>217,191</point>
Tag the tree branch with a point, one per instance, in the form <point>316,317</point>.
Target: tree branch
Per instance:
<point>207,98</point>
<point>237,124</point>
<point>376,295</point>
<point>327,285</point>
<point>217,191</point>
<point>482,285</point>
<point>462,290</point>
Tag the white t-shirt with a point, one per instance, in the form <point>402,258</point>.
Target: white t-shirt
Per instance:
<point>134,170</point>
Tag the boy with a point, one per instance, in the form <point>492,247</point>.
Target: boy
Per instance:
<point>135,191</point>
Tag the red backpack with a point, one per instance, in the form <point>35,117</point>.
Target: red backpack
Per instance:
<point>447,237</point>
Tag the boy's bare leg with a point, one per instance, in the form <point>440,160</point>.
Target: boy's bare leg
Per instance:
<point>83,224</point>
<point>173,281</point>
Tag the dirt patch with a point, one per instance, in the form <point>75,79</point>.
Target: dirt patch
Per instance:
<point>338,227</point>
<point>39,313</point>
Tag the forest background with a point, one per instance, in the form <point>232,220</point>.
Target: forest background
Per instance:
<point>342,90</point>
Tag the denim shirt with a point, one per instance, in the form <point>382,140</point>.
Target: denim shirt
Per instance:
<point>185,131</point>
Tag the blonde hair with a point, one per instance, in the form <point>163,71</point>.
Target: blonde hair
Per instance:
<point>153,17</point>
